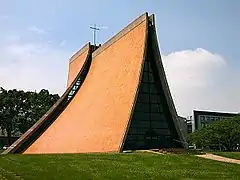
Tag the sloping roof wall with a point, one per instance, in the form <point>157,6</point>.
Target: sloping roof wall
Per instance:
<point>76,62</point>
<point>97,117</point>
<point>51,114</point>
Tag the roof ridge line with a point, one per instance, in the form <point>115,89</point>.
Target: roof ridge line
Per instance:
<point>120,34</point>
<point>79,52</point>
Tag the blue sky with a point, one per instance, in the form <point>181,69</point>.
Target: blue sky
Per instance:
<point>183,24</point>
<point>34,33</point>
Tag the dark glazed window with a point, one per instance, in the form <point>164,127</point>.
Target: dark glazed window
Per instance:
<point>153,89</point>
<point>142,116</point>
<point>149,127</point>
<point>142,107</point>
<point>151,78</point>
<point>154,98</point>
<point>156,117</point>
<point>144,88</point>
<point>145,77</point>
<point>143,97</point>
<point>146,66</point>
<point>156,108</point>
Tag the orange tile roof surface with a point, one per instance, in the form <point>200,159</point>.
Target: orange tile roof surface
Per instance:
<point>76,64</point>
<point>97,117</point>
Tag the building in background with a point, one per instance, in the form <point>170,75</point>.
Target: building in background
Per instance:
<point>189,124</point>
<point>203,118</point>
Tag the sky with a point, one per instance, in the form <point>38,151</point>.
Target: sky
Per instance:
<point>199,43</point>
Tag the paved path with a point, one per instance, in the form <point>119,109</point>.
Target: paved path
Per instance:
<point>219,158</point>
<point>154,152</point>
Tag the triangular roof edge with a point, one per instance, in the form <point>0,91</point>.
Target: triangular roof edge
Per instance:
<point>164,82</point>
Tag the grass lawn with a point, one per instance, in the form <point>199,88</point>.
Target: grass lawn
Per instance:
<point>114,166</point>
<point>234,155</point>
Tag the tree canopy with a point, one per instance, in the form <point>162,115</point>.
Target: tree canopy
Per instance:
<point>224,133</point>
<point>19,110</point>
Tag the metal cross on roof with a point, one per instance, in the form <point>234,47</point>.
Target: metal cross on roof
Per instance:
<point>94,28</point>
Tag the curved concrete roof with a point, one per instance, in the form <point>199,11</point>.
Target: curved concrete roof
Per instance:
<point>76,63</point>
<point>54,111</point>
<point>97,117</point>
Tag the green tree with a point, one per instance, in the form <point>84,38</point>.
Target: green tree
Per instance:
<point>34,107</point>
<point>9,107</point>
<point>19,110</point>
<point>223,133</point>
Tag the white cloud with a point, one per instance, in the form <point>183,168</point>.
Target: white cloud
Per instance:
<point>103,27</point>
<point>63,43</point>
<point>36,30</point>
<point>5,17</point>
<point>33,66</point>
<point>199,79</point>
<point>99,26</point>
